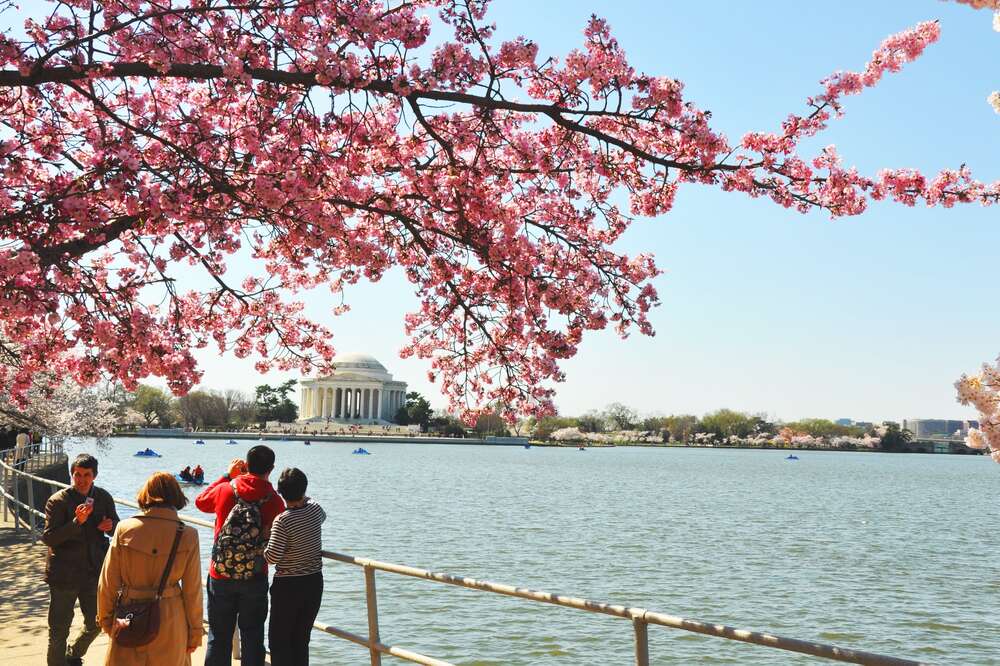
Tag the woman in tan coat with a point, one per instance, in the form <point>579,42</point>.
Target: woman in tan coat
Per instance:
<point>139,552</point>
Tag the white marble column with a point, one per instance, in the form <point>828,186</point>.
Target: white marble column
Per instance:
<point>377,402</point>
<point>368,404</point>
<point>314,410</point>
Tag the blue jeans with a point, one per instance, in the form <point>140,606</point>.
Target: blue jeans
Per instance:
<point>233,603</point>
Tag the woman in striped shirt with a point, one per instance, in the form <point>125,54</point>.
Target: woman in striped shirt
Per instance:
<point>297,590</point>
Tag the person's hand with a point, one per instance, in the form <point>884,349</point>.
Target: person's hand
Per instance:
<point>237,467</point>
<point>83,512</point>
<point>105,525</point>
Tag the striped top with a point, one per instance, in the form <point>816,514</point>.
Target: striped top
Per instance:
<point>296,541</point>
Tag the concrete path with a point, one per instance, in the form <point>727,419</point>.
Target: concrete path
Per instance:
<point>24,602</point>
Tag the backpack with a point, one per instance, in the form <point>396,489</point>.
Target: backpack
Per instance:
<point>238,551</point>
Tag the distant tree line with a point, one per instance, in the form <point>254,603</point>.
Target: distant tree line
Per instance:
<point>208,408</point>
<point>721,426</point>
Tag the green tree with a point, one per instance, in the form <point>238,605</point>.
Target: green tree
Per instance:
<point>591,422</point>
<point>727,423</point>
<point>491,424</point>
<point>894,438</point>
<point>544,427</point>
<point>824,428</point>
<point>273,403</point>
<point>153,404</point>
<point>416,411</point>
<point>681,427</point>
<point>620,417</point>
<point>442,423</point>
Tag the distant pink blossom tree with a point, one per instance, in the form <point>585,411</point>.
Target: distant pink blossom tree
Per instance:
<point>143,140</point>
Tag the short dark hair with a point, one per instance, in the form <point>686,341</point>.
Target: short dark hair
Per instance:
<point>292,484</point>
<point>86,461</point>
<point>260,460</point>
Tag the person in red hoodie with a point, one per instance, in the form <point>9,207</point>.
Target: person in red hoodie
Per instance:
<point>233,602</point>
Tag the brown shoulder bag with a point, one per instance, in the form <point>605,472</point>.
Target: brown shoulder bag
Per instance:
<point>143,617</point>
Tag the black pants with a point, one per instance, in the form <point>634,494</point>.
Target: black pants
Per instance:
<point>295,603</point>
<point>62,600</point>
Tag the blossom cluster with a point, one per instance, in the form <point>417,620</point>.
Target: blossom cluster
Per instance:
<point>982,391</point>
<point>146,147</point>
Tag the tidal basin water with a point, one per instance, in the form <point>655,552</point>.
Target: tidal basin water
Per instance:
<point>897,554</point>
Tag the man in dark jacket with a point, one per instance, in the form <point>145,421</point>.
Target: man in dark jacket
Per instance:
<point>239,603</point>
<point>78,521</point>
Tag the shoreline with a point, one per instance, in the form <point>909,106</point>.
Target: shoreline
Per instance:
<point>469,441</point>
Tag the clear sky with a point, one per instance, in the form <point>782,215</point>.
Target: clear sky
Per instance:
<point>767,310</point>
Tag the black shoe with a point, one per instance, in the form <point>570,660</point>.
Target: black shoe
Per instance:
<point>74,661</point>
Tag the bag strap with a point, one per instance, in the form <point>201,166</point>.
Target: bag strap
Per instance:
<point>170,560</point>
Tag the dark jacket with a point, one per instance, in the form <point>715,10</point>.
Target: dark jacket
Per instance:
<point>219,499</point>
<point>76,552</point>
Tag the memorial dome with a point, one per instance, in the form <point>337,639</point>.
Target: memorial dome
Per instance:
<point>358,362</point>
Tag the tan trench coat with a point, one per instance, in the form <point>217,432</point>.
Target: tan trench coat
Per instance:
<point>139,551</point>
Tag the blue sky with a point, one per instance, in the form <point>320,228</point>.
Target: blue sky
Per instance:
<point>766,310</point>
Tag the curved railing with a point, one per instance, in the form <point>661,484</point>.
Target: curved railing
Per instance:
<point>640,618</point>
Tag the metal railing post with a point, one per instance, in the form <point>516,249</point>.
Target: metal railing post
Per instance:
<point>31,509</point>
<point>372,603</point>
<point>641,642</point>
<point>5,475</point>
<point>17,501</point>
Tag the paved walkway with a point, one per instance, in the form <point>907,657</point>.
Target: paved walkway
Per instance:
<point>24,600</point>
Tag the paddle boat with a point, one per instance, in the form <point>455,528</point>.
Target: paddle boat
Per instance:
<point>193,481</point>
<point>582,448</point>
<point>527,446</point>
<point>361,452</point>
<point>199,442</point>
<point>148,453</point>
<point>232,441</point>
<point>307,443</point>
<point>791,457</point>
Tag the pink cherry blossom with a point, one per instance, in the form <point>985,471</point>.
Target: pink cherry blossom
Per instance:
<point>322,140</point>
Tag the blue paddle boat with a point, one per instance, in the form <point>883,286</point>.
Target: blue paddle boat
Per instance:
<point>199,442</point>
<point>361,452</point>
<point>791,457</point>
<point>307,443</point>
<point>232,441</point>
<point>148,453</point>
<point>193,481</point>
<point>527,446</point>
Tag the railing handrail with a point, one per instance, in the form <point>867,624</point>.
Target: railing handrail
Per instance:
<point>640,617</point>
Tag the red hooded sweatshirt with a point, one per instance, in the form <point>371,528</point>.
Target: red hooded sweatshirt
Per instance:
<point>219,499</point>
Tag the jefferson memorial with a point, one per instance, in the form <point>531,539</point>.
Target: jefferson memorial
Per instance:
<point>360,389</point>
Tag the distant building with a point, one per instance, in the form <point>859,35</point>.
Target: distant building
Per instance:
<point>938,428</point>
<point>851,423</point>
<point>360,389</point>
